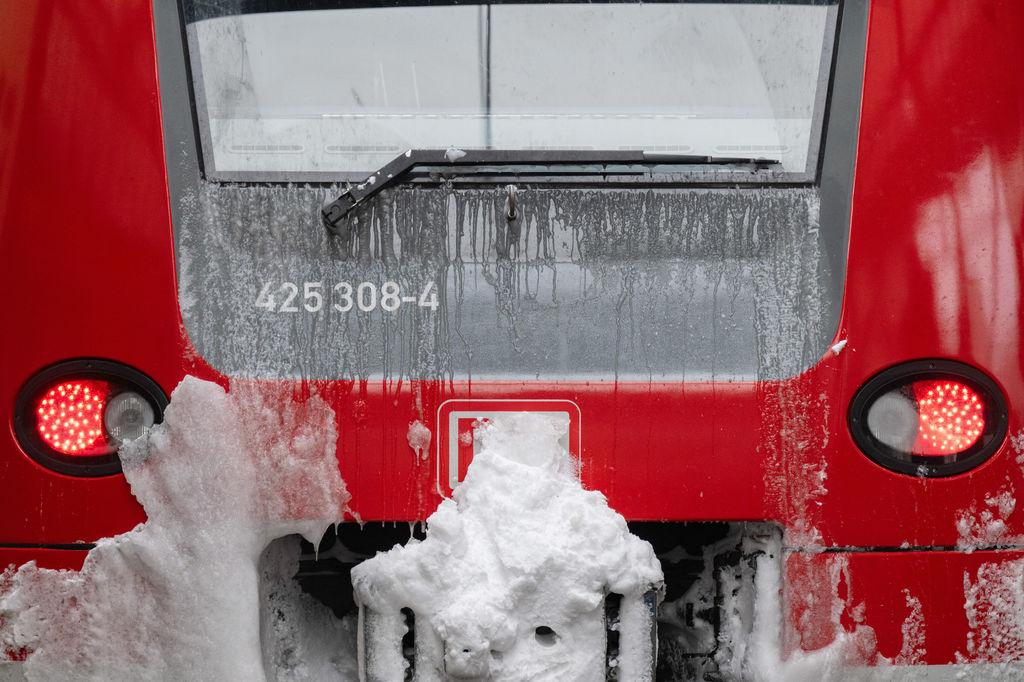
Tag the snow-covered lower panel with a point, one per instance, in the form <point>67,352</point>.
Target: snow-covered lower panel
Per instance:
<point>895,609</point>
<point>783,619</point>
<point>178,597</point>
<point>513,574</point>
<point>874,616</point>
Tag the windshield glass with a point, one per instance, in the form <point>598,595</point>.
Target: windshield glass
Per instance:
<point>337,93</point>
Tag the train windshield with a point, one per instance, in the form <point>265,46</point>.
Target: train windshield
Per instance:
<point>336,93</point>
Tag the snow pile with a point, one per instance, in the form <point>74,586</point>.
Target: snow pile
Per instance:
<point>511,579</point>
<point>178,597</point>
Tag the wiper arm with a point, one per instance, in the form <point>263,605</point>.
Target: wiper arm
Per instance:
<point>334,212</point>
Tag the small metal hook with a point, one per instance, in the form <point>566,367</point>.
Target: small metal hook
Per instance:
<point>511,205</point>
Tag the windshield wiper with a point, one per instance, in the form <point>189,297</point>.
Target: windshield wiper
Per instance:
<point>334,212</point>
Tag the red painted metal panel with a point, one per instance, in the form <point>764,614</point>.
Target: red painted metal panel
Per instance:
<point>935,248</point>
<point>85,244</point>
<point>69,559</point>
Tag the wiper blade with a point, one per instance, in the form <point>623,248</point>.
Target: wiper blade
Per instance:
<point>334,212</point>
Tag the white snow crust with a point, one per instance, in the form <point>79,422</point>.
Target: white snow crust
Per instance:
<point>453,154</point>
<point>178,597</point>
<point>765,660</point>
<point>984,525</point>
<point>520,546</point>
<point>418,437</point>
<point>913,629</point>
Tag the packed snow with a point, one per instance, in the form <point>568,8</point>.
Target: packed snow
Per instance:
<point>453,154</point>
<point>752,641</point>
<point>763,659</point>
<point>178,597</point>
<point>510,582</point>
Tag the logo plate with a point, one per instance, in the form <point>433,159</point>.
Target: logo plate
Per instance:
<point>456,420</point>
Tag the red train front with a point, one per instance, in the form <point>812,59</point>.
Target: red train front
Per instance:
<point>760,260</point>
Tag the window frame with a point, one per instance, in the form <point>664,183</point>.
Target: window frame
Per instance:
<point>681,176</point>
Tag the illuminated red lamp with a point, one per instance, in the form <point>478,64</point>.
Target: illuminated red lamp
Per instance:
<point>929,418</point>
<point>70,417</point>
<point>73,416</point>
<point>951,417</point>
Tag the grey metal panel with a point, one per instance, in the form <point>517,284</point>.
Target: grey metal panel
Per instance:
<point>645,283</point>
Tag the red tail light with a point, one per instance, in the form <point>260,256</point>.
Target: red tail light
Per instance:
<point>72,417</point>
<point>69,417</point>
<point>929,418</point>
<point>951,417</point>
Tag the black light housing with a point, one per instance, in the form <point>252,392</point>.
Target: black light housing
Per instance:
<point>929,418</point>
<point>72,416</point>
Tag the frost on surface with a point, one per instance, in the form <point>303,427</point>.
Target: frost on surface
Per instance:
<point>994,605</point>
<point>994,591</point>
<point>178,597</point>
<point>766,659</point>
<point>803,624</point>
<point>521,546</point>
<point>597,284</point>
<point>792,631</point>
<point>913,629</point>
<point>985,525</point>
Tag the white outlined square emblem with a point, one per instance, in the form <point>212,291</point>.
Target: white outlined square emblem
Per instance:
<point>457,418</point>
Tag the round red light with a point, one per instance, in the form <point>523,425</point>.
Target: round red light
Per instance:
<point>69,417</point>
<point>951,417</point>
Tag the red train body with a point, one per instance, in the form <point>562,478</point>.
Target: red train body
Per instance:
<point>933,270</point>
